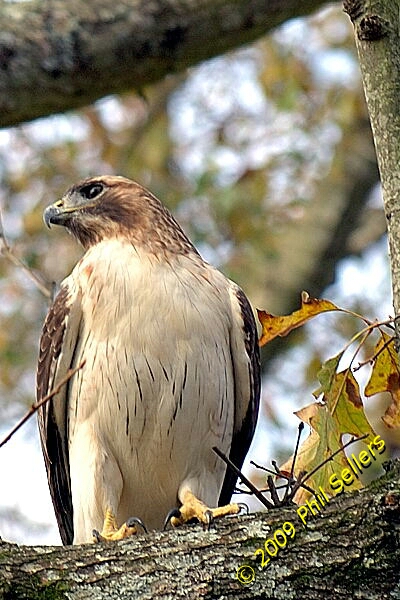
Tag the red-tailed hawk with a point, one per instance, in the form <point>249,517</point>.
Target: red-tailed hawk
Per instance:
<point>171,370</point>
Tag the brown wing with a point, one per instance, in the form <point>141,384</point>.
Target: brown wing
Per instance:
<point>56,356</point>
<point>245,354</point>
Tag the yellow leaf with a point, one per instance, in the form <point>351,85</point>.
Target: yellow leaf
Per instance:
<point>340,412</point>
<point>385,368</point>
<point>323,441</point>
<point>273,326</point>
<point>385,377</point>
<point>345,405</point>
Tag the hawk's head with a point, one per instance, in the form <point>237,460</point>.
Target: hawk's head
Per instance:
<point>109,207</point>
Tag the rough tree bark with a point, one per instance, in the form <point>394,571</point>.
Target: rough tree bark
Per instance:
<point>350,549</point>
<point>377,35</point>
<point>58,55</point>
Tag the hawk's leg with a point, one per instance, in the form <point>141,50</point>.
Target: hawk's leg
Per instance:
<point>112,532</point>
<point>193,508</point>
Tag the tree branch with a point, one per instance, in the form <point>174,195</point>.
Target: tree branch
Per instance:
<point>350,549</point>
<point>72,53</point>
<point>376,28</point>
<point>36,405</point>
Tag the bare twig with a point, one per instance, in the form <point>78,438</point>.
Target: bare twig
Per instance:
<point>300,431</point>
<point>273,491</point>
<point>374,357</point>
<point>244,479</point>
<point>292,485</point>
<point>331,457</point>
<point>7,252</point>
<point>288,493</point>
<point>36,405</point>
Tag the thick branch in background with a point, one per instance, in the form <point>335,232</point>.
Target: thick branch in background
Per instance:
<point>350,549</point>
<point>308,255</point>
<point>55,56</point>
<point>376,28</point>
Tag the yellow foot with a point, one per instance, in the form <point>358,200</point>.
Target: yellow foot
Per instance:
<point>193,508</point>
<point>112,532</point>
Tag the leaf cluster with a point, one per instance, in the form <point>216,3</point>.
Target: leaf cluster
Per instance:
<point>338,409</point>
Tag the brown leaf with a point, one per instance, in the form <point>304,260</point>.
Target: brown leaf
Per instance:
<point>385,377</point>
<point>273,326</point>
<point>391,417</point>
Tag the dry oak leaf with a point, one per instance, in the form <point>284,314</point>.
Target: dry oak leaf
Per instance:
<point>341,411</point>
<point>273,326</point>
<point>323,440</point>
<point>385,377</point>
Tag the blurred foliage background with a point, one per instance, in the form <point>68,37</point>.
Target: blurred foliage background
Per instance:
<point>265,156</point>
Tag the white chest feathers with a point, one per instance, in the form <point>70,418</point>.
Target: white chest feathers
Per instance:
<point>157,388</point>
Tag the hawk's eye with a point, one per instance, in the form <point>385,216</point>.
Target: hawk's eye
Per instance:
<point>91,190</point>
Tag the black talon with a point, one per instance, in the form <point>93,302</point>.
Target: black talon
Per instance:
<point>209,519</point>
<point>244,506</point>
<point>97,535</point>
<point>132,521</point>
<point>174,512</point>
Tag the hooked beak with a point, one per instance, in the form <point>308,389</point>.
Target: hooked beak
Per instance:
<point>57,214</point>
